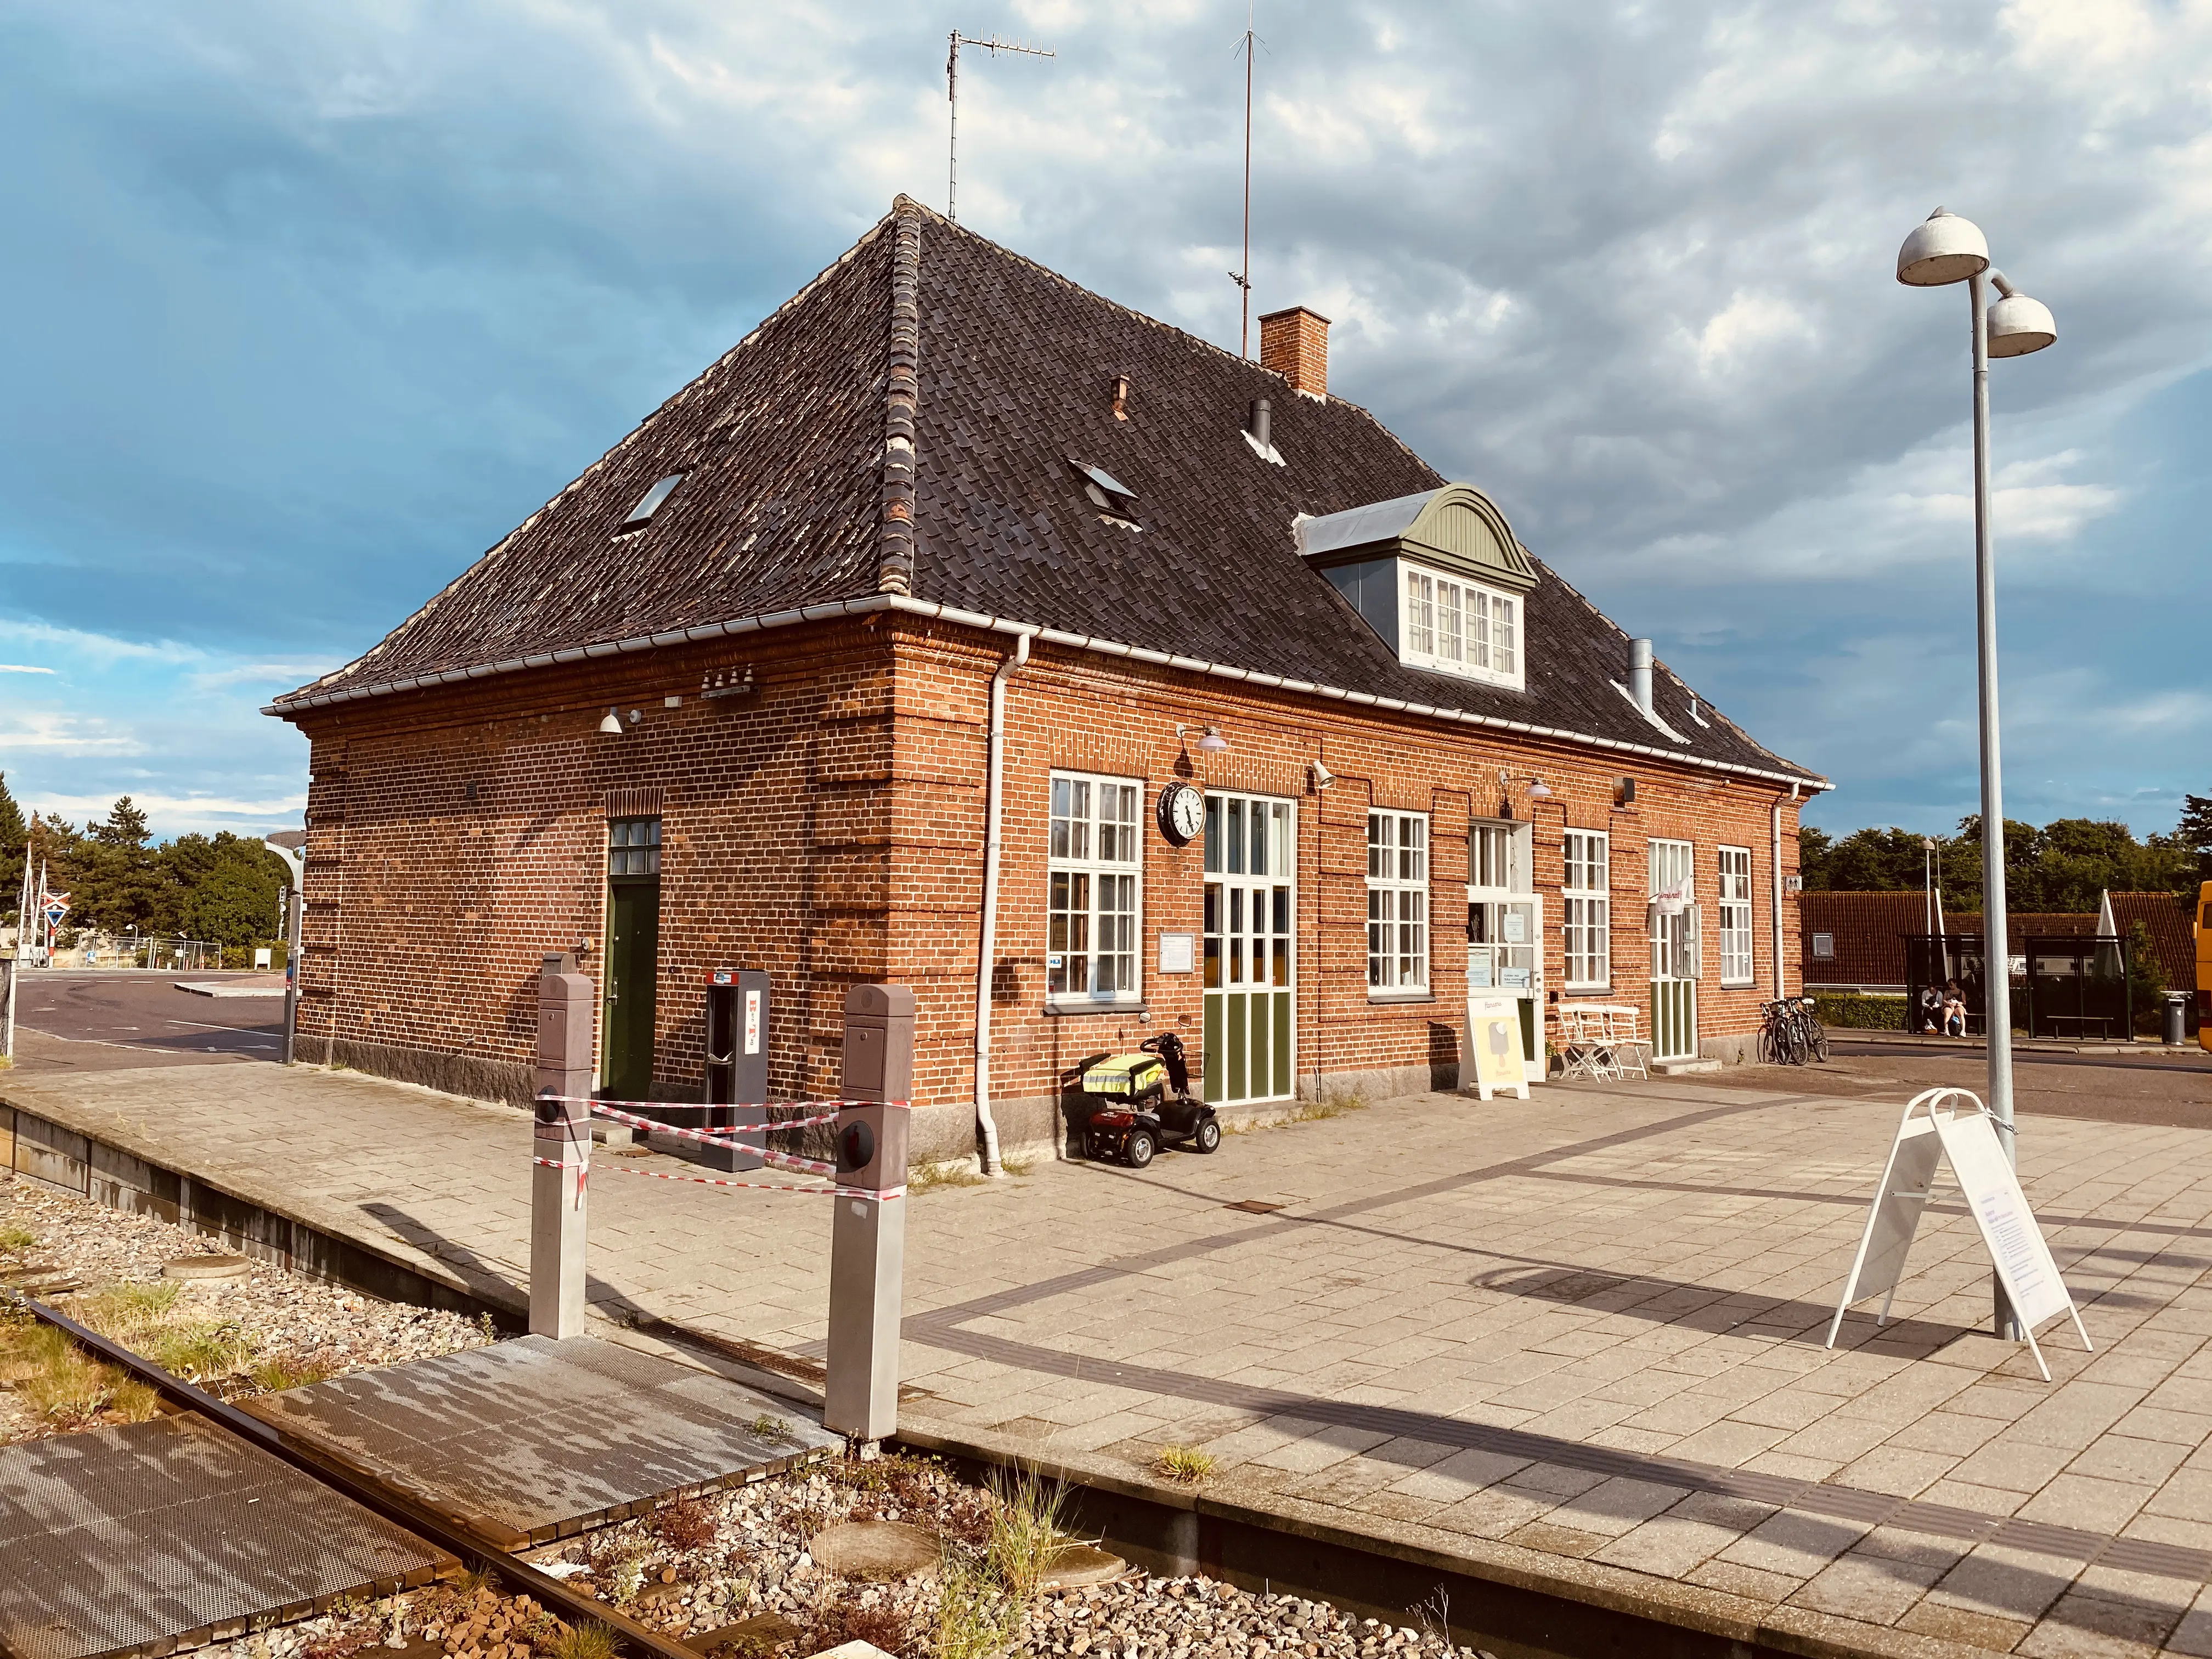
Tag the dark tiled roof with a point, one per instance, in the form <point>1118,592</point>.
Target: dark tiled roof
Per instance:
<point>794,497</point>
<point>1869,930</point>
<point>2168,921</point>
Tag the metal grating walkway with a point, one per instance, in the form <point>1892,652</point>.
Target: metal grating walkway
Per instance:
<point>165,1533</point>
<point>533,1439</point>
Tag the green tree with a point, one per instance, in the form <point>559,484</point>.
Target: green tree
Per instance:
<point>15,836</point>
<point>223,888</point>
<point>2147,984</point>
<point>121,883</point>
<point>2192,837</point>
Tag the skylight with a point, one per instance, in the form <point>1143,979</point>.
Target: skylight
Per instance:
<point>1105,480</point>
<point>649,503</point>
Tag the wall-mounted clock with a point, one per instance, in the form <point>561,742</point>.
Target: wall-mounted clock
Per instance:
<point>1182,813</point>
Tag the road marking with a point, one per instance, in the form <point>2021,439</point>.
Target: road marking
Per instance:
<point>202,1025</point>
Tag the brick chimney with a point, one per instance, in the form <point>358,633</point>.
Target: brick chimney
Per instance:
<point>1295,344</point>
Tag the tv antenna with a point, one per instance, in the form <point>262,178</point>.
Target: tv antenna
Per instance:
<point>1245,43</point>
<point>994,47</point>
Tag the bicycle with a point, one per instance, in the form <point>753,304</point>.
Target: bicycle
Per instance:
<point>1790,1034</point>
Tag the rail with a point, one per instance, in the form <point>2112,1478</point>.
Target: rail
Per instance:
<point>451,1533</point>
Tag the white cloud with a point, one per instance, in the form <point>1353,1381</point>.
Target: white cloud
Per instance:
<point>22,668</point>
<point>63,734</point>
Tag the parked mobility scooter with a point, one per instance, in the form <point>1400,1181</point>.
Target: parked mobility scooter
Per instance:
<point>1141,1102</point>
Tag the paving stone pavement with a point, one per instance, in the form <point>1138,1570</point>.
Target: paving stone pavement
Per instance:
<point>1581,1335</point>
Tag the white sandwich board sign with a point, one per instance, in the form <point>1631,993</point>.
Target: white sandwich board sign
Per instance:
<point>2008,1227</point>
<point>1493,1047</point>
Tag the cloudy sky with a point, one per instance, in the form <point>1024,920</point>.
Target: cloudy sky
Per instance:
<point>305,305</point>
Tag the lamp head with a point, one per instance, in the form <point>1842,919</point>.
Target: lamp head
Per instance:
<point>1537,791</point>
<point>1213,742</point>
<point>1322,777</point>
<point>1943,248</point>
<point>2019,325</point>
<point>612,725</point>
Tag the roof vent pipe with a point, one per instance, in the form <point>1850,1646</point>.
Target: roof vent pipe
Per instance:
<point>1639,673</point>
<point>1261,420</point>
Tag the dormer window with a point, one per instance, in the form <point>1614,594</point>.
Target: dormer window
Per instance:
<point>1458,627</point>
<point>650,503</point>
<point>1438,575</point>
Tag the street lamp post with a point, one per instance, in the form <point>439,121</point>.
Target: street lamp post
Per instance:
<point>1945,249</point>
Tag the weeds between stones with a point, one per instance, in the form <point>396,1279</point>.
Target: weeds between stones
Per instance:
<point>1025,1533</point>
<point>1184,1463</point>
<point>64,1387</point>
<point>15,1240</point>
<point>685,1526</point>
<point>279,1374</point>
<point>928,1177</point>
<point>591,1641</point>
<point>1306,1111</point>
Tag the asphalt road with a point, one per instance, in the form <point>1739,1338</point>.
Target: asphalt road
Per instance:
<point>73,1020</point>
<point>2148,1087</point>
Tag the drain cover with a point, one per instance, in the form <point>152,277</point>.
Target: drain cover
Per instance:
<point>533,1440</point>
<point>1254,1207</point>
<point>154,1535</point>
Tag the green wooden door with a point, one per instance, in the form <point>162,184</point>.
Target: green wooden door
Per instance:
<point>633,956</point>
<point>1251,923</point>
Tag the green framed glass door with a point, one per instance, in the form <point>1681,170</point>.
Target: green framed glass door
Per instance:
<point>1251,928</point>
<point>632,958</point>
<point>1675,951</point>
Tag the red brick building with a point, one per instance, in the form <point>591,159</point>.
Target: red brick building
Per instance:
<point>1293,737</point>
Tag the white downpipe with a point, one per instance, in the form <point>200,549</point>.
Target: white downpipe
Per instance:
<point>1016,660</point>
<point>1781,974</point>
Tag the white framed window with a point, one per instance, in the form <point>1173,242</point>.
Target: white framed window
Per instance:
<point>1397,902</point>
<point>1093,914</point>
<point>1735,916</point>
<point>1496,858</point>
<point>1586,909</point>
<point>1675,920</point>
<point>1460,627</point>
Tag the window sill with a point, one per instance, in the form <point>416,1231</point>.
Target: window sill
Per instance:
<point>1065,1009</point>
<point>1739,984</point>
<point>1377,998</point>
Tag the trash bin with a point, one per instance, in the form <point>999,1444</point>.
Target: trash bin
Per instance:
<point>2176,1006</point>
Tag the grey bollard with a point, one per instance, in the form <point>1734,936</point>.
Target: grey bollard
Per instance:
<point>867,1236</point>
<point>563,1135</point>
<point>2176,1029</point>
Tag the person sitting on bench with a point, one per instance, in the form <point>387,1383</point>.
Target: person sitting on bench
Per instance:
<point>1955,1011</point>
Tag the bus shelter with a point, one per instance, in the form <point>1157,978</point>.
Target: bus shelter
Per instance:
<point>2073,988</point>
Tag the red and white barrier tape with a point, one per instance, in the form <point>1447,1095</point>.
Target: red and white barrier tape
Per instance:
<point>780,1160</point>
<point>714,1181</point>
<point>717,1137</point>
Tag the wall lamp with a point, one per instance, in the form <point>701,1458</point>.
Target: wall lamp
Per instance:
<point>1537,791</point>
<point>1322,777</point>
<point>1212,742</point>
<point>612,725</point>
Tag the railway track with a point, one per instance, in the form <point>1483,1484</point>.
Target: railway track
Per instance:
<point>450,1534</point>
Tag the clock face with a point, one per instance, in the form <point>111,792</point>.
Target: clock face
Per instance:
<point>1182,813</point>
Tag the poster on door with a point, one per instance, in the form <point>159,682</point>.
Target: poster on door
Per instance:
<point>1493,1047</point>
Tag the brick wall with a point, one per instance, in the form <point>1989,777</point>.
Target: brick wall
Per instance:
<point>828,829</point>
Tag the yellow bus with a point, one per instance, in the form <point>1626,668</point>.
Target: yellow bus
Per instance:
<point>2205,965</point>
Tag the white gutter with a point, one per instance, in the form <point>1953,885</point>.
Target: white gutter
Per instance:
<point>1781,980</point>
<point>1017,659</point>
<point>875,603</point>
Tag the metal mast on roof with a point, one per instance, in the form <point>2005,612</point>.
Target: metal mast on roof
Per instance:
<point>994,47</point>
<point>1243,278</point>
